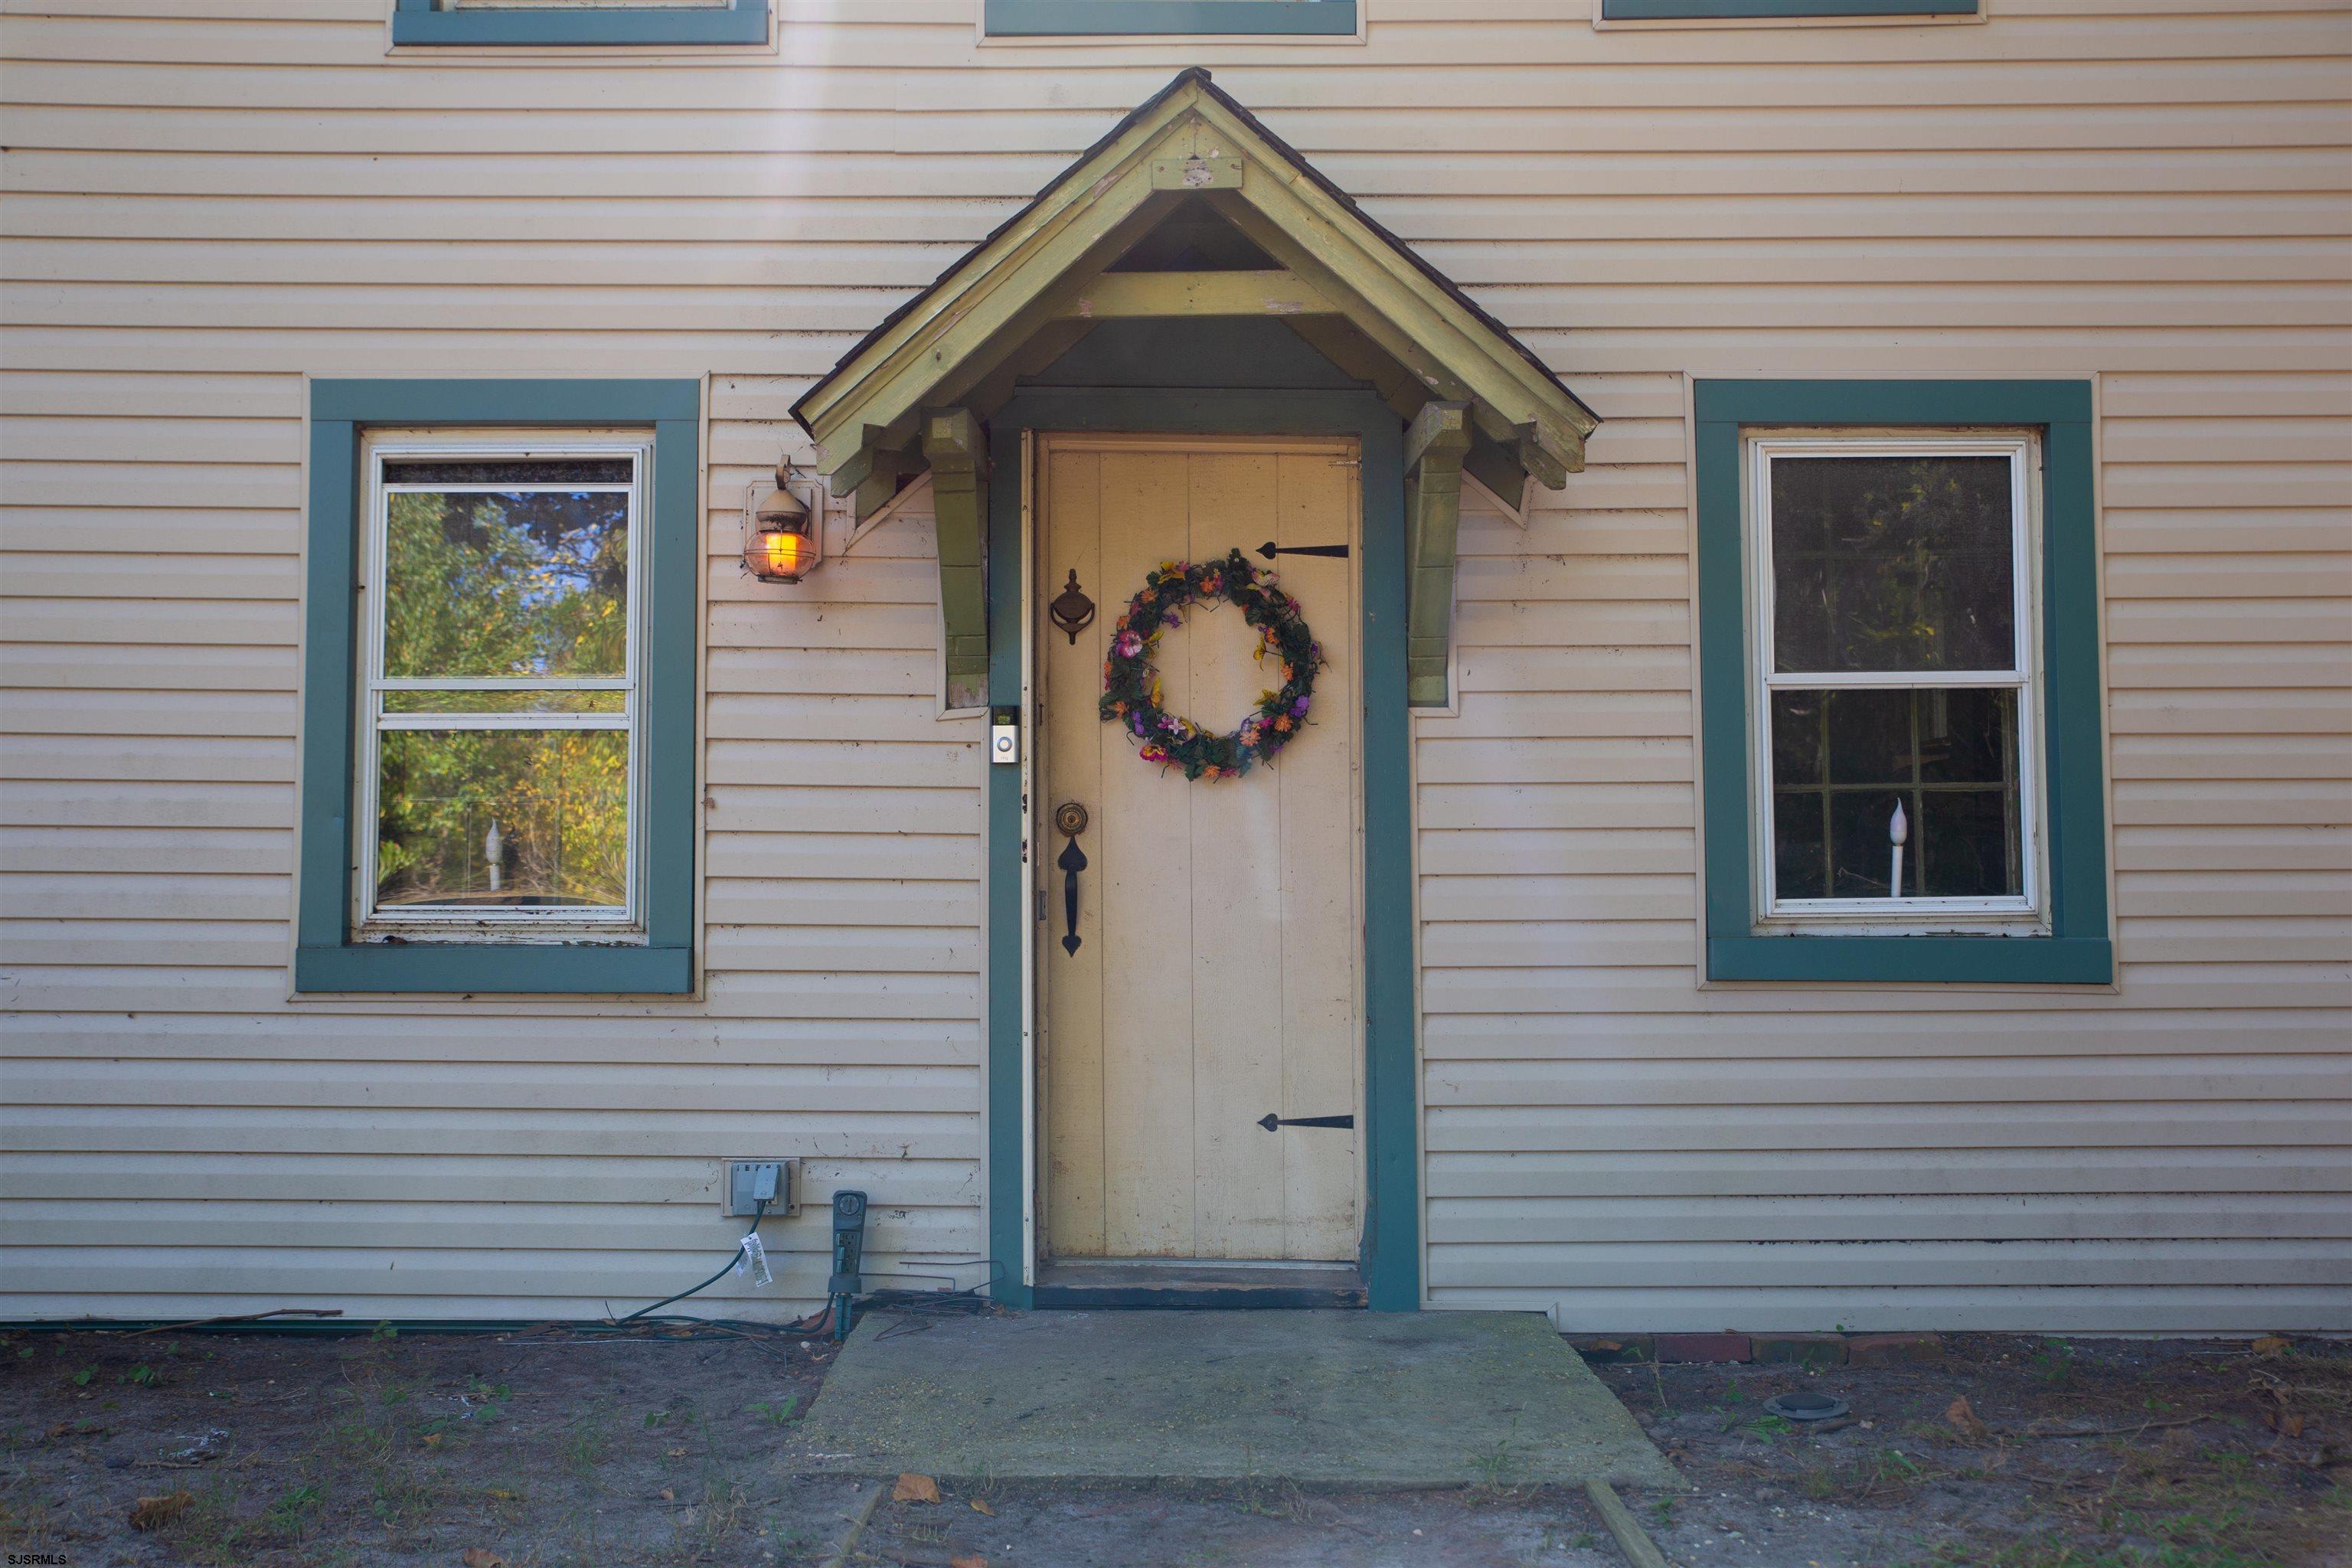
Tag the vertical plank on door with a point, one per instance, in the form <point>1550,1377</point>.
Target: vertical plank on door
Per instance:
<point>1237,932</point>
<point>1321,933</point>
<point>1146,900</point>
<point>1072,1064</point>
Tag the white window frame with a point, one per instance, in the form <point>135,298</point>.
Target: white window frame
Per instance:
<point>2026,913</point>
<point>372,923</point>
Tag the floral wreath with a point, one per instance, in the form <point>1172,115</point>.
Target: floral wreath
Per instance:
<point>1131,686</point>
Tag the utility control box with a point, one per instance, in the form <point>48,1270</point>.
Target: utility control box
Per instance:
<point>749,1180</point>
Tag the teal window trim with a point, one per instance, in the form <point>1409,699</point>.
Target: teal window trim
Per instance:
<point>325,958</point>
<point>2078,949</point>
<point>1086,19</point>
<point>1727,10</point>
<point>1391,1255</point>
<point>429,22</point>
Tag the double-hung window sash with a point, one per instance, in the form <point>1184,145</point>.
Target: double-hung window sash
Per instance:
<point>501,753</point>
<point>1894,695</point>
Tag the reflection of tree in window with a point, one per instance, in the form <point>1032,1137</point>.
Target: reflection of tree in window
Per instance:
<point>1895,565</point>
<point>504,585</point>
<point>513,584</point>
<point>559,799</point>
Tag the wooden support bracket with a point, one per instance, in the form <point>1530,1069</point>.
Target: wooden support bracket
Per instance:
<point>888,471</point>
<point>958,453</point>
<point>1433,449</point>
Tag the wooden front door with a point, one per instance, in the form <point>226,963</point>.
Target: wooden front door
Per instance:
<point>1215,980</point>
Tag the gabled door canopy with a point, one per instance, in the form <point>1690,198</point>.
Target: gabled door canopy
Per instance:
<point>911,394</point>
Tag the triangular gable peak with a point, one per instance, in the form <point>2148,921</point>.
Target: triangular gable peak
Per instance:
<point>1027,293</point>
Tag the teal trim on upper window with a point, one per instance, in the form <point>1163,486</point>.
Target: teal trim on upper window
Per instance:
<point>2077,949</point>
<point>1711,10</point>
<point>1083,18</point>
<point>326,959</point>
<point>434,22</point>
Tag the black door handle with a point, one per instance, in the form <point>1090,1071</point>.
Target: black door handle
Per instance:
<point>1070,818</point>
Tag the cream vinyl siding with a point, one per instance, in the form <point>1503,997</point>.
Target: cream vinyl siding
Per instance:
<point>208,199</point>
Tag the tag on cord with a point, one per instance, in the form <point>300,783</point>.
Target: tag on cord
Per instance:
<point>753,1260</point>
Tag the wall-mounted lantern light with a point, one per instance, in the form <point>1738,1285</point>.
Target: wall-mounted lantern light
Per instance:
<point>783,540</point>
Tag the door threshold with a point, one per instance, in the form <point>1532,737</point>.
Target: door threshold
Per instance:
<point>1088,1286</point>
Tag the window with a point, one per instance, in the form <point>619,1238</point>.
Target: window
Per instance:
<point>1895,685</point>
<point>552,22</point>
<point>1710,10</point>
<point>500,712</point>
<point>498,750</point>
<point>1899,682</point>
<point>1080,18</point>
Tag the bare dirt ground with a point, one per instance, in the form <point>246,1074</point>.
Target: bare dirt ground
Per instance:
<point>547,1449</point>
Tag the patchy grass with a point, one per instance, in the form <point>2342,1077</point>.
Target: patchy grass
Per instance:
<point>391,1449</point>
<point>2071,1454</point>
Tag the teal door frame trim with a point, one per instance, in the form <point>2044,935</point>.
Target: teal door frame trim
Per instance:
<point>427,22</point>
<point>2078,949</point>
<point>325,958</point>
<point>1391,1244</point>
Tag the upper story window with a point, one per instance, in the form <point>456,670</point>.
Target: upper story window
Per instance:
<point>1894,675</point>
<point>1730,10</point>
<point>1089,19</point>
<point>555,23</point>
<point>503,622</point>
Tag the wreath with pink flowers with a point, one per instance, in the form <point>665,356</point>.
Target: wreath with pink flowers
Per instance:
<point>1132,694</point>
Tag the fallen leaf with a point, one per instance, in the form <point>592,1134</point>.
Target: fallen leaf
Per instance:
<point>980,1507</point>
<point>155,1512</point>
<point>431,1439</point>
<point>668,1495</point>
<point>2285,1423</point>
<point>678,1453</point>
<point>2271,1345</point>
<point>1963,1415</point>
<point>481,1557</point>
<point>970,1560</point>
<point>912,1488</point>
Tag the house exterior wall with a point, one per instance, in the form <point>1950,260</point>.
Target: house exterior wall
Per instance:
<point>210,200</point>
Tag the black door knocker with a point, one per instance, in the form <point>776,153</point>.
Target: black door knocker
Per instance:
<point>1070,820</point>
<point>1072,612</point>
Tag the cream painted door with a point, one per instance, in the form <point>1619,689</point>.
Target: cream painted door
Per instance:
<point>1215,979</point>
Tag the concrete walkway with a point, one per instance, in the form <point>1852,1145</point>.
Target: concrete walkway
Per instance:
<point>1340,1398</point>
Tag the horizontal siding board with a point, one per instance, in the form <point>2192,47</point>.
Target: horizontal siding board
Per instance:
<point>480,1183</point>
<point>1480,1222</point>
<point>393,1087</point>
<point>2042,1079</point>
<point>2143,1174</point>
<point>810,259</point>
<point>1773,1028</point>
<point>1979,1265</point>
<point>874,1134</point>
<point>1639,1129</point>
